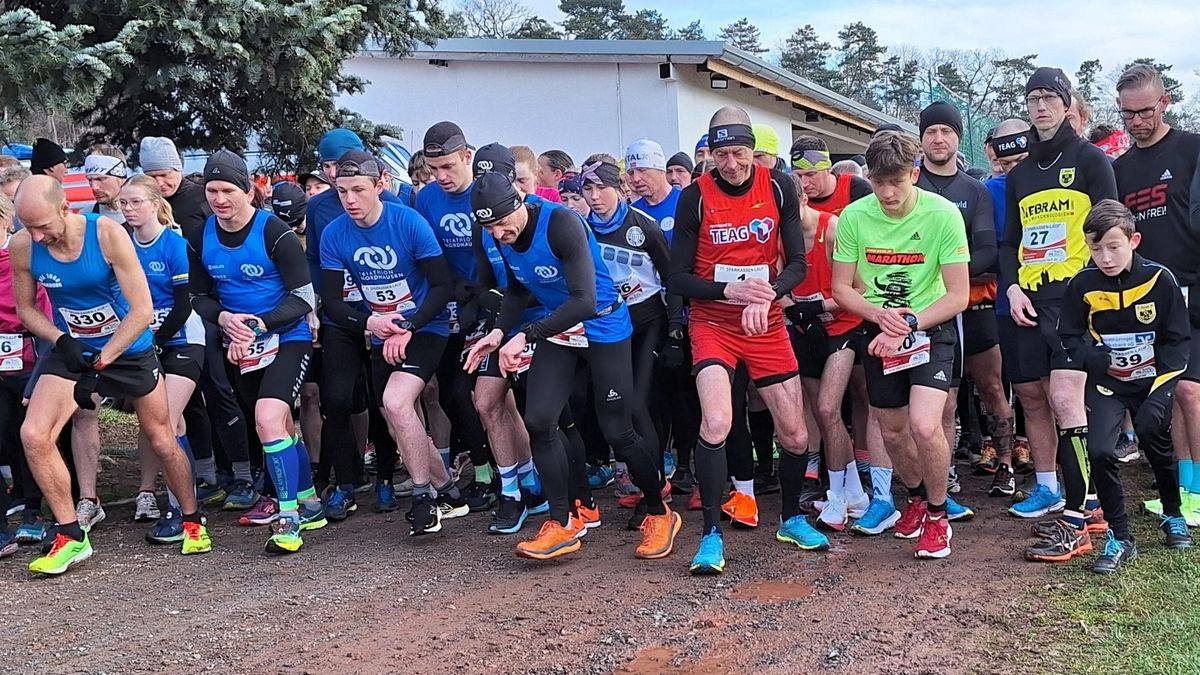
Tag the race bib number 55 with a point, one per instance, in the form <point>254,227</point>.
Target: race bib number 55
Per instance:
<point>260,354</point>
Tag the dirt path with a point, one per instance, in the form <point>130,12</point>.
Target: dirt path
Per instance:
<point>364,598</point>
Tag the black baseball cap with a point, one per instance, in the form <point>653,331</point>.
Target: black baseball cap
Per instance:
<point>289,202</point>
<point>443,138</point>
<point>358,163</point>
<point>497,158</point>
<point>493,198</point>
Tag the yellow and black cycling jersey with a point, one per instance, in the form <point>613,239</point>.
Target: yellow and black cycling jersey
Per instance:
<point>1049,195</point>
<point>1131,331</point>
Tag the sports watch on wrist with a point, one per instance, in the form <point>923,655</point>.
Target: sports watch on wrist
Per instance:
<point>911,320</point>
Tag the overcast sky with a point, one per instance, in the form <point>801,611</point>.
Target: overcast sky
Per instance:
<point>1114,32</point>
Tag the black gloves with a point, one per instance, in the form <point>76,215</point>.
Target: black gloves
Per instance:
<point>804,311</point>
<point>78,356</point>
<point>491,301</point>
<point>1096,360</point>
<point>85,386</point>
<point>1154,414</point>
<point>673,354</point>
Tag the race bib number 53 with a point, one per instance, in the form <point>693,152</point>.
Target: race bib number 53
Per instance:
<point>913,352</point>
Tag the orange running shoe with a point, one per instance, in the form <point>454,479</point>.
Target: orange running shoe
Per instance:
<point>631,500</point>
<point>742,509</point>
<point>590,517</point>
<point>551,541</point>
<point>658,535</point>
<point>694,502</point>
<point>1094,521</point>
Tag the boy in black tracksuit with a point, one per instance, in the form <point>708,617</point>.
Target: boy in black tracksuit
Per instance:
<point>1124,319</point>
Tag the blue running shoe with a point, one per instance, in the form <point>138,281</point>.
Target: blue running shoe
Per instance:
<point>880,517</point>
<point>668,464</point>
<point>710,558</point>
<point>1039,503</point>
<point>797,531</point>
<point>956,511</point>
<point>312,519</point>
<point>536,503</point>
<point>599,476</point>
<point>208,494</point>
<point>168,529</point>
<point>1175,527</point>
<point>339,504</point>
<point>385,498</point>
<point>240,496</point>
<point>32,528</point>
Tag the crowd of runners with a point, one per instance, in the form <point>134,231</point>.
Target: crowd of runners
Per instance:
<point>510,333</point>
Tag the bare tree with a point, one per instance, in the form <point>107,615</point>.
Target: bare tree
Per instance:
<point>493,18</point>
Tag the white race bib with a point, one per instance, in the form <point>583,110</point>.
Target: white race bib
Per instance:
<point>98,321</point>
<point>630,289</point>
<point>1131,356</point>
<point>350,292</point>
<point>913,352</point>
<point>455,326</point>
<point>1044,243</point>
<point>160,315</point>
<point>571,337</point>
<point>260,354</point>
<point>389,298</point>
<point>12,346</point>
<point>728,273</point>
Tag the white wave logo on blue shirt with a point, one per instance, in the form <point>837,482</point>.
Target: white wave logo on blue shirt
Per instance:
<point>546,271</point>
<point>375,257</point>
<point>457,224</point>
<point>158,266</point>
<point>252,271</point>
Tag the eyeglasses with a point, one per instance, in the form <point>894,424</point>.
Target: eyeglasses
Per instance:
<point>1043,99</point>
<point>1144,113</point>
<point>132,203</point>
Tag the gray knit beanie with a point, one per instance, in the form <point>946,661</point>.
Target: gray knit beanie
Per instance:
<point>159,153</point>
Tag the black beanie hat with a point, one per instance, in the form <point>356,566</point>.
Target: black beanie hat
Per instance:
<point>681,159</point>
<point>289,202</point>
<point>940,112</point>
<point>1051,79</point>
<point>227,166</point>
<point>493,198</point>
<point>497,158</point>
<point>46,153</point>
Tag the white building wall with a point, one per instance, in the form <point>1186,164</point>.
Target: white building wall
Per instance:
<point>698,101</point>
<point>581,108</point>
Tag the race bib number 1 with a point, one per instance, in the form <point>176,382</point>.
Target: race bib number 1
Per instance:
<point>913,352</point>
<point>1044,243</point>
<point>260,354</point>
<point>98,321</point>
<point>730,273</point>
<point>12,347</point>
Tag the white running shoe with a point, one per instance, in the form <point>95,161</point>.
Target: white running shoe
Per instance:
<point>146,509</point>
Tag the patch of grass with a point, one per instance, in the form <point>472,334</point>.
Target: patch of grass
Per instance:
<point>1144,619</point>
<point>114,417</point>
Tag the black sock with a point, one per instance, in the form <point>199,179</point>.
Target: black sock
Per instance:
<point>193,518</point>
<point>71,530</point>
<point>762,435</point>
<point>937,509</point>
<point>712,470</point>
<point>791,483</point>
<point>918,491</point>
<point>1072,456</point>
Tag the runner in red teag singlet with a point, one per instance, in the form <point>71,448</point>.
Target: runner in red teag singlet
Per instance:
<point>730,229</point>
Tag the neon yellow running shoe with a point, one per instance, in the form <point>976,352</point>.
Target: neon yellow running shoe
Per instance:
<point>285,536</point>
<point>65,553</point>
<point>195,539</point>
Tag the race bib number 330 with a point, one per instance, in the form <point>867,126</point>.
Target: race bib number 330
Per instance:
<point>100,321</point>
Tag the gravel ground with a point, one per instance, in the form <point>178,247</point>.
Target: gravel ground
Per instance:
<point>362,597</point>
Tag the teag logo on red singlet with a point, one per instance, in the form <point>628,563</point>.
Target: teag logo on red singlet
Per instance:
<point>728,233</point>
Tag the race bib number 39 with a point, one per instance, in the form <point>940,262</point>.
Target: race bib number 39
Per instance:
<point>260,354</point>
<point>913,352</point>
<point>1131,356</point>
<point>12,347</point>
<point>1044,243</point>
<point>98,321</point>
